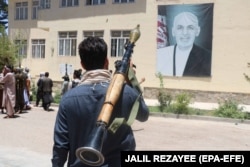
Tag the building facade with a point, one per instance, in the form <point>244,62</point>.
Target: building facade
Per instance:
<point>49,31</point>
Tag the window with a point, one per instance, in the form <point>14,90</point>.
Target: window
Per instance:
<point>22,11</point>
<point>44,4</point>
<point>95,2</point>
<point>68,3</point>
<point>35,5</point>
<point>67,43</point>
<point>123,1</point>
<point>87,34</point>
<point>118,41</point>
<point>21,46</point>
<point>38,48</point>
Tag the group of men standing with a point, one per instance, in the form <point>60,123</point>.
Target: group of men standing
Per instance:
<point>15,90</point>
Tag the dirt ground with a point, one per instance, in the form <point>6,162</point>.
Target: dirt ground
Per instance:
<point>27,139</point>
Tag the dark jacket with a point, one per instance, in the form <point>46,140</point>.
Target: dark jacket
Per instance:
<point>47,84</point>
<point>77,115</point>
<point>198,63</point>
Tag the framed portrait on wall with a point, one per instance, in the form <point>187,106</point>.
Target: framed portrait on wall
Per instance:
<point>184,40</point>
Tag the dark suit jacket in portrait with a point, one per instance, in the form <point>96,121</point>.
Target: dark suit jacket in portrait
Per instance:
<point>198,62</point>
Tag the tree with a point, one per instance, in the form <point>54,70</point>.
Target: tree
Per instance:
<point>4,13</point>
<point>7,49</point>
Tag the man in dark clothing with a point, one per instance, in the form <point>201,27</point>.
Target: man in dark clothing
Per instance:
<point>80,107</point>
<point>47,85</point>
<point>21,78</point>
<point>39,92</point>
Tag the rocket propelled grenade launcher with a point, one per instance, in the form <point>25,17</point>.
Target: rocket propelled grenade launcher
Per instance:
<point>91,153</point>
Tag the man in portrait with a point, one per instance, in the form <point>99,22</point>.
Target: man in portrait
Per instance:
<point>185,58</point>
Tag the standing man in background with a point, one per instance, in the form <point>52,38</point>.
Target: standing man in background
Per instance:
<point>9,92</point>
<point>76,79</point>
<point>21,78</point>
<point>65,84</point>
<point>47,85</point>
<point>39,91</point>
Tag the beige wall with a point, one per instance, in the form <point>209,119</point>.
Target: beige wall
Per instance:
<point>231,37</point>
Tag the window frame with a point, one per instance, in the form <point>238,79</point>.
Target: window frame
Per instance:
<point>93,34</point>
<point>66,3</point>
<point>44,4</point>
<point>21,10</point>
<point>95,2</point>
<point>35,7</point>
<point>117,43</point>
<point>67,43</point>
<point>38,49</point>
<point>22,47</point>
<point>123,1</point>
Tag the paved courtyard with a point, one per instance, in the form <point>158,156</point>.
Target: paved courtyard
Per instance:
<point>26,141</point>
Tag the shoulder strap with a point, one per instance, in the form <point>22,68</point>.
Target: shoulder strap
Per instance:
<point>117,122</point>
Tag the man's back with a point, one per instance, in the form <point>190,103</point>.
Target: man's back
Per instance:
<point>47,84</point>
<point>78,117</point>
<point>79,110</point>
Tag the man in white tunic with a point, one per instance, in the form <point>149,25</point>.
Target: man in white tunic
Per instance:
<point>9,92</point>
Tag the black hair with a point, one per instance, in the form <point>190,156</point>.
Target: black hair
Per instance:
<point>77,73</point>
<point>93,53</point>
<point>46,74</point>
<point>66,78</point>
<point>9,67</point>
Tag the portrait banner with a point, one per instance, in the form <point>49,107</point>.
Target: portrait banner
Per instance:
<point>187,48</point>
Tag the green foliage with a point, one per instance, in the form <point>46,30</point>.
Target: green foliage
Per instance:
<point>163,98</point>
<point>230,109</point>
<point>7,49</point>
<point>200,112</point>
<point>57,97</point>
<point>181,104</point>
<point>20,45</point>
<point>33,90</point>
